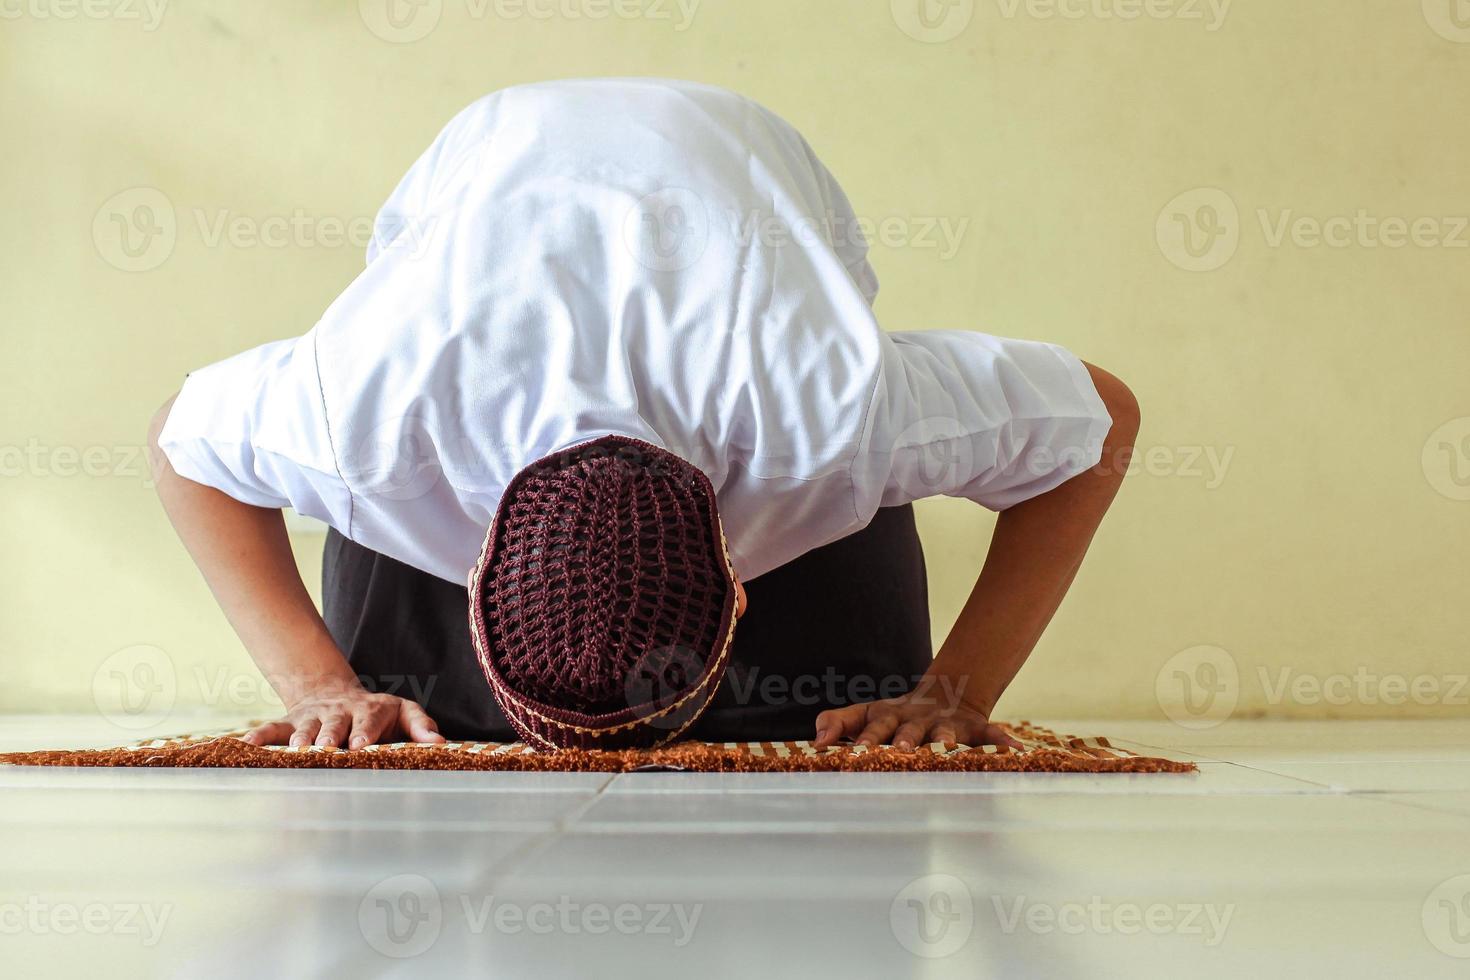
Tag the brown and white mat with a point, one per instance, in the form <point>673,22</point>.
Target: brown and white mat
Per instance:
<point>1042,751</point>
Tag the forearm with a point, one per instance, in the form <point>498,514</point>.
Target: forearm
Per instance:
<point>1034,555</point>
<point>245,557</point>
<point>1031,564</point>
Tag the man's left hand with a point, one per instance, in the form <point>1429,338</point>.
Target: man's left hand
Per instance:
<point>916,718</point>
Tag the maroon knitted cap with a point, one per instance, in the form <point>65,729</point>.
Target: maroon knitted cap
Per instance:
<point>603,603</point>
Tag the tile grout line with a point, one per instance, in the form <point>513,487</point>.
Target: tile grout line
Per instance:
<point>506,868</point>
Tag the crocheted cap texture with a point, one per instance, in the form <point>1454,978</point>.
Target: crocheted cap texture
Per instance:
<point>603,601</point>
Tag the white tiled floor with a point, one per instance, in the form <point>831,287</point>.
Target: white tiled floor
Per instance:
<point>1325,849</point>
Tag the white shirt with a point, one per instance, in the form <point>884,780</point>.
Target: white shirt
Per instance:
<point>651,258</point>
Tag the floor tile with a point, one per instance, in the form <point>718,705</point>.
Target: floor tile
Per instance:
<point>1320,849</point>
<point>826,813</point>
<point>1212,778</point>
<point>281,857</point>
<point>293,808</point>
<point>1259,755</point>
<point>927,927</point>
<point>1456,802</point>
<point>1378,776</point>
<point>1304,863</point>
<point>354,780</point>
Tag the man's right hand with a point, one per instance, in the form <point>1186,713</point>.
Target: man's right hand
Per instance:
<point>350,718</point>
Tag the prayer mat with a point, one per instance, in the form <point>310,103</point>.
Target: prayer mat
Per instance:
<point>1042,751</point>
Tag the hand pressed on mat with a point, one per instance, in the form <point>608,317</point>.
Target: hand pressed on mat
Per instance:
<point>348,719</point>
<point>246,558</point>
<point>1034,554</point>
<point>917,718</point>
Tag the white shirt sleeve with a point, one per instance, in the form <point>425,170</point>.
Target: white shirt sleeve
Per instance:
<point>252,426</point>
<point>963,414</point>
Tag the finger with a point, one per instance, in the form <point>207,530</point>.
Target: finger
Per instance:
<point>417,724</point>
<point>333,729</point>
<point>271,733</point>
<point>943,732</point>
<point>880,728</point>
<point>369,724</point>
<point>909,734</point>
<point>306,730</point>
<point>835,723</point>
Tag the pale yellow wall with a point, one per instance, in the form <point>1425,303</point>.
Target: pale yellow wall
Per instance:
<point>1333,380</point>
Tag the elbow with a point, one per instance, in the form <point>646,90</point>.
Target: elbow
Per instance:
<point>157,460</point>
<point>1122,405</point>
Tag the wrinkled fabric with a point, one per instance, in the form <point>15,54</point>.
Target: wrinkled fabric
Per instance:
<point>656,259</point>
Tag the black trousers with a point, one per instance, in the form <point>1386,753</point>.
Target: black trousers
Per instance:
<point>845,623</point>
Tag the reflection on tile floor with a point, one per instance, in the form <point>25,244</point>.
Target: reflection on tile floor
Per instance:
<point>1338,849</point>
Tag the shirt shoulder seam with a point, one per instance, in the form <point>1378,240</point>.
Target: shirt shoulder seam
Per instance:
<point>331,438</point>
<point>863,426</point>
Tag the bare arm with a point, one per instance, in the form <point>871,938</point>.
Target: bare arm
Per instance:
<point>246,559</point>
<point>1034,554</point>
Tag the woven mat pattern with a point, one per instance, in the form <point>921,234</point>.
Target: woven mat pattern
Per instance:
<point>1042,751</point>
